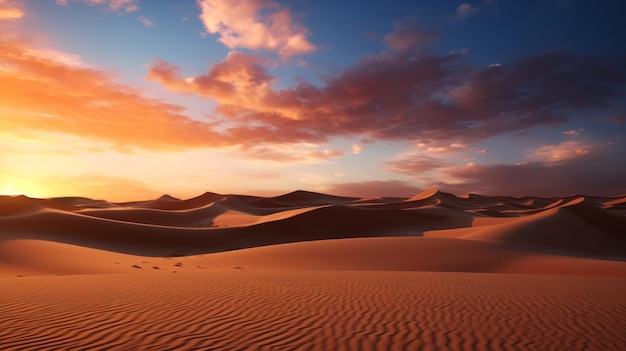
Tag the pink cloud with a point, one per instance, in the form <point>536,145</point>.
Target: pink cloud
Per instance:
<point>255,24</point>
<point>416,164</point>
<point>146,22</point>
<point>556,153</point>
<point>407,37</point>
<point>597,174</point>
<point>572,132</point>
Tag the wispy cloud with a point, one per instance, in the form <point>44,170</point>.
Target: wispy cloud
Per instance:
<point>289,153</point>
<point>113,5</point>
<point>416,164</point>
<point>11,9</point>
<point>465,10</point>
<point>560,152</point>
<point>407,36</point>
<point>598,173</point>
<point>145,21</point>
<point>573,132</point>
<point>255,24</point>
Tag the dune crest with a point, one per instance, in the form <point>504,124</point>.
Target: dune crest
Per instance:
<point>574,225</point>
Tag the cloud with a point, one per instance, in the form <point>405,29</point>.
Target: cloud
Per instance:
<point>45,92</point>
<point>374,188</point>
<point>290,153</point>
<point>407,37</point>
<point>393,96</point>
<point>618,118</point>
<point>465,10</point>
<point>113,5</point>
<point>573,132</point>
<point>599,173</point>
<point>555,153</point>
<point>146,22</point>
<point>255,24</point>
<point>566,168</point>
<point>416,164</point>
<point>11,9</point>
<point>356,149</point>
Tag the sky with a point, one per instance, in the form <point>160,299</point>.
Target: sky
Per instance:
<point>130,99</point>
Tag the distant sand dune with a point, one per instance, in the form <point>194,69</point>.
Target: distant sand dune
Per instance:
<point>313,271</point>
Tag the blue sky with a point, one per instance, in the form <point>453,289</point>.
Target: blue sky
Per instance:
<point>358,98</point>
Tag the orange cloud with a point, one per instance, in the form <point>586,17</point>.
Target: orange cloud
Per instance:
<point>49,92</point>
<point>11,9</point>
<point>255,24</point>
<point>42,91</point>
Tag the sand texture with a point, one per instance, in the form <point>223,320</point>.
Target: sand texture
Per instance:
<point>309,271</point>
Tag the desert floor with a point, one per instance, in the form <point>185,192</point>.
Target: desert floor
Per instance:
<point>309,271</point>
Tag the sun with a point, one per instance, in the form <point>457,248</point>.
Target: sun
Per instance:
<point>12,190</point>
<point>8,189</point>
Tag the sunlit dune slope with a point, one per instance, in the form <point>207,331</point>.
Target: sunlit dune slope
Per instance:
<point>209,223</point>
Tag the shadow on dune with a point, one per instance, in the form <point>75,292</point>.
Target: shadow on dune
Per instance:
<point>581,226</point>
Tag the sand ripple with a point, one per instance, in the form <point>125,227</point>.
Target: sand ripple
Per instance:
<point>313,311</point>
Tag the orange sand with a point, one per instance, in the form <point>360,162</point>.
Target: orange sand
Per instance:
<point>313,272</point>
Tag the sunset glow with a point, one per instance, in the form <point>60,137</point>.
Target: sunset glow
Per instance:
<point>129,100</point>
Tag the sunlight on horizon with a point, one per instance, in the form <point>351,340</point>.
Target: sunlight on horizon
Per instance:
<point>11,189</point>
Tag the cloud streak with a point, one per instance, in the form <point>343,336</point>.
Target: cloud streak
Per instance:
<point>113,5</point>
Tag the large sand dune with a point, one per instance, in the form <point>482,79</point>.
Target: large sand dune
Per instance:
<point>313,271</point>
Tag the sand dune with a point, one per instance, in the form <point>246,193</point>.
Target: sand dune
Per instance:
<point>313,271</point>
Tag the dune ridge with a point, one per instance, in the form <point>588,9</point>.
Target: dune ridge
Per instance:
<point>313,271</point>
<point>575,225</point>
